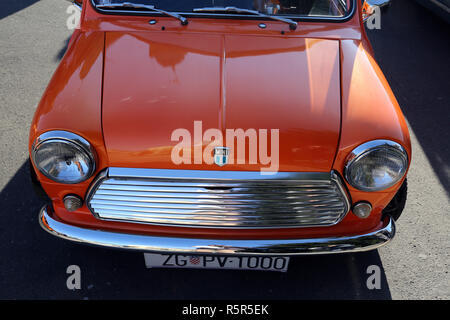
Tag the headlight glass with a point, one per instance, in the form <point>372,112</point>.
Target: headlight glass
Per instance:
<point>376,165</point>
<point>63,157</point>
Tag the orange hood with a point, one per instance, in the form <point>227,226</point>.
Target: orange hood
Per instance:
<point>157,82</point>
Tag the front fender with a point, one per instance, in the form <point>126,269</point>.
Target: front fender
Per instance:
<point>73,102</point>
<point>370,111</point>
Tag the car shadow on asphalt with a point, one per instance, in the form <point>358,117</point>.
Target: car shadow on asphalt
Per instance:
<point>37,263</point>
<point>10,7</point>
<point>412,49</point>
<point>63,50</point>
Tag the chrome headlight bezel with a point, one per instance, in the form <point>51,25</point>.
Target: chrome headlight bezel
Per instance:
<point>366,149</point>
<point>69,138</point>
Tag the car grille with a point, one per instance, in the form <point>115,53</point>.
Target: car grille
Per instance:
<point>218,199</point>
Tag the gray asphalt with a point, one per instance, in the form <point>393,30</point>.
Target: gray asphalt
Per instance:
<point>412,48</point>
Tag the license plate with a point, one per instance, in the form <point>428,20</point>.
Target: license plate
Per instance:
<point>154,260</point>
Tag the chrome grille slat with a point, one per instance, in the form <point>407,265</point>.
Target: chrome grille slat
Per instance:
<point>267,202</point>
<point>206,183</point>
<point>207,211</point>
<point>201,220</point>
<point>232,207</point>
<point>205,195</point>
<point>208,190</point>
<point>210,215</point>
<point>218,199</point>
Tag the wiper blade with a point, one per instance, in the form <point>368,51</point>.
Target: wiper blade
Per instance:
<point>292,23</point>
<point>183,20</point>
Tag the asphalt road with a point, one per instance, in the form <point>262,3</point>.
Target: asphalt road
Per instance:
<point>413,50</point>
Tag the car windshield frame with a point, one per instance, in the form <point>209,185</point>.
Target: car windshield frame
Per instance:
<point>316,18</point>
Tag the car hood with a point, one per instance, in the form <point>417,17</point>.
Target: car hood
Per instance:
<point>158,82</point>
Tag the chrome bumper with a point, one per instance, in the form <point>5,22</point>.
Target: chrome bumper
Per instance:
<point>284,247</point>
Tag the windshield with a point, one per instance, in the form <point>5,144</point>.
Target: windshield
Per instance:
<point>290,8</point>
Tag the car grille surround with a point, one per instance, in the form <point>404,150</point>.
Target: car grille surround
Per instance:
<point>218,199</point>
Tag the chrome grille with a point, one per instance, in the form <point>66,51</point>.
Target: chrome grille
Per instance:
<point>218,199</point>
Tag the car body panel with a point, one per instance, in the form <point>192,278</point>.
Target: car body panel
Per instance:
<point>226,82</point>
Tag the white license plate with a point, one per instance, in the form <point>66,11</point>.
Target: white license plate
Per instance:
<point>154,260</point>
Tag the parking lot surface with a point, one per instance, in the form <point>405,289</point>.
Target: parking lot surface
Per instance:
<point>412,49</point>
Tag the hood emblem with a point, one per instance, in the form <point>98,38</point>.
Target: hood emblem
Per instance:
<point>221,155</point>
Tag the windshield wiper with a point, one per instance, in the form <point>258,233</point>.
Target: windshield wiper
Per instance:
<point>292,23</point>
<point>183,20</point>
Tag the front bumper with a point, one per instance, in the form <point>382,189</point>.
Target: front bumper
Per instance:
<point>157,244</point>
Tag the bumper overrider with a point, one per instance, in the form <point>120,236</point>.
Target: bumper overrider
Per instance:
<point>158,244</point>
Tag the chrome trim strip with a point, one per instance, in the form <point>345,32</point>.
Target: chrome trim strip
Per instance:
<point>96,183</point>
<point>157,244</point>
<point>215,175</point>
<point>78,6</point>
<point>63,135</point>
<point>338,181</point>
<point>183,198</point>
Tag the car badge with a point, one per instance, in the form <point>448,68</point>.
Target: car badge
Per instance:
<point>221,155</point>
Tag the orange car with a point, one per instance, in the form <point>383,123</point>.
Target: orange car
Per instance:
<point>256,128</point>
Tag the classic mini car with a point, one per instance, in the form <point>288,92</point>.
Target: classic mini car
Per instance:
<point>208,129</point>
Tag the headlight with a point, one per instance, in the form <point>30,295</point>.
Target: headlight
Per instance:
<point>63,156</point>
<point>376,165</point>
